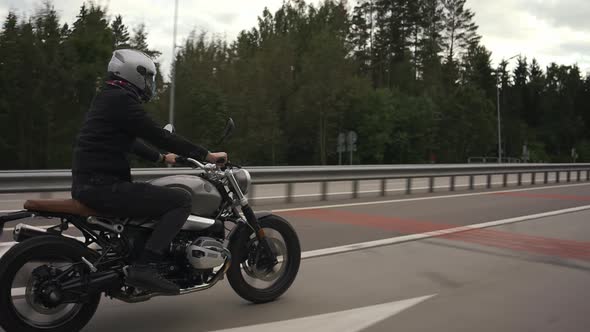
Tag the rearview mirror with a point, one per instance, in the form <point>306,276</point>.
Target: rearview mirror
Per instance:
<point>169,128</point>
<point>227,131</point>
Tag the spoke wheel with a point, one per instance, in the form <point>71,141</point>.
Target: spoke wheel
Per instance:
<point>31,273</point>
<point>27,294</point>
<point>254,281</point>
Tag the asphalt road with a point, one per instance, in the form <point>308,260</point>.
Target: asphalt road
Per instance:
<point>526,274</point>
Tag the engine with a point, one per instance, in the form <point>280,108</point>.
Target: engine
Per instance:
<point>204,253</point>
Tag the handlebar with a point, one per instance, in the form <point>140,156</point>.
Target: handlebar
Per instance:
<point>181,160</point>
<point>196,163</point>
<point>189,161</point>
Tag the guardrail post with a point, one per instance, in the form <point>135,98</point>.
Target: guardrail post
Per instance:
<point>383,187</point>
<point>546,177</point>
<point>587,175</point>
<point>533,177</point>
<point>408,186</point>
<point>452,187</point>
<point>289,192</point>
<point>519,179</point>
<point>355,189</point>
<point>557,174</point>
<point>252,192</point>
<point>504,180</point>
<point>324,190</point>
<point>578,176</point>
<point>488,181</point>
<point>431,184</point>
<point>568,177</point>
<point>471,182</point>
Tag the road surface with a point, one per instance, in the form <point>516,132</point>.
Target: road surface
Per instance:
<point>385,264</point>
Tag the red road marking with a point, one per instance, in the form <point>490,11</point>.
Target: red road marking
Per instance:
<point>488,237</point>
<point>545,196</point>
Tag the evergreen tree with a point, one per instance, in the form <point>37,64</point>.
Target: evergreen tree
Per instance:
<point>139,42</point>
<point>10,71</point>
<point>431,42</point>
<point>410,77</point>
<point>478,72</point>
<point>120,33</point>
<point>460,31</point>
<point>51,69</point>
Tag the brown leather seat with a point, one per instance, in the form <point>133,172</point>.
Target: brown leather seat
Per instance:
<point>67,206</point>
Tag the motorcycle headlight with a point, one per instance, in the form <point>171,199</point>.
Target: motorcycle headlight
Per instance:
<point>244,180</point>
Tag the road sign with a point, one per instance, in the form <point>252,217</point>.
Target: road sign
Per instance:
<point>341,143</point>
<point>574,155</point>
<point>525,153</point>
<point>351,140</point>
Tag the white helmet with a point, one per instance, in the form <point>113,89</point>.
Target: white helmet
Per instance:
<point>136,68</point>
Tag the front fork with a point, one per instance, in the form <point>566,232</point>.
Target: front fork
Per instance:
<point>269,258</point>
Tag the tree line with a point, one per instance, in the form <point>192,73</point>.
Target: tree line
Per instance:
<point>411,77</point>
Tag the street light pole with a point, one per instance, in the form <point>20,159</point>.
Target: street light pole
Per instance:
<point>498,107</point>
<point>499,123</point>
<point>173,66</point>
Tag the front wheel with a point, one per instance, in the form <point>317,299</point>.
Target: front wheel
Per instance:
<point>259,285</point>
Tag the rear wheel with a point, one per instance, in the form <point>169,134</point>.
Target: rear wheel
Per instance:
<point>247,278</point>
<point>29,300</point>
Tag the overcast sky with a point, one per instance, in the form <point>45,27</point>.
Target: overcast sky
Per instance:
<point>550,30</point>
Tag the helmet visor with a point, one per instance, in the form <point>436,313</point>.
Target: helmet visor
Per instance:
<point>150,85</point>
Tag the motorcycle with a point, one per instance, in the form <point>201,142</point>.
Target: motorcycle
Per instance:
<point>51,281</point>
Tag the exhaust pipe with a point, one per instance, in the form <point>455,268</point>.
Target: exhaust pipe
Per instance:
<point>218,276</point>
<point>13,216</point>
<point>23,232</point>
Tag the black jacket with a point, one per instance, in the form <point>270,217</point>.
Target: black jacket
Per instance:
<point>113,124</point>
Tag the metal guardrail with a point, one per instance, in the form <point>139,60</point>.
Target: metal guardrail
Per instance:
<point>492,160</point>
<point>60,180</point>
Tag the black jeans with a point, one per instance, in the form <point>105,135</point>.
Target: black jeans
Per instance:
<point>141,200</point>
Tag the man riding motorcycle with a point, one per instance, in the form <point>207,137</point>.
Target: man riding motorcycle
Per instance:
<point>101,172</point>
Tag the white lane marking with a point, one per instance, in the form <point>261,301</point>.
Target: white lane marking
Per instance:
<point>393,201</point>
<point>427,198</point>
<point>421,236</point>
<point>353,320</point>
<point>413,237</point>
<point>394,240</point>
<point>342,192</point>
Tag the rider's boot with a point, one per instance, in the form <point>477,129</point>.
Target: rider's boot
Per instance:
<point>144,274</point>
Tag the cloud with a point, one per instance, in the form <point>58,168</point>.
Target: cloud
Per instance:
<point>536,29</point>
<point>574,14</point>
<point>582,48</point>
<point>226,18</point>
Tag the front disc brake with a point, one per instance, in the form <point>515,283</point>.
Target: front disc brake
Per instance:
<point>252,263</point>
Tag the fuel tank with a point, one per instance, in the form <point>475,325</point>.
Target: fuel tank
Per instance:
<point>206,198</point>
